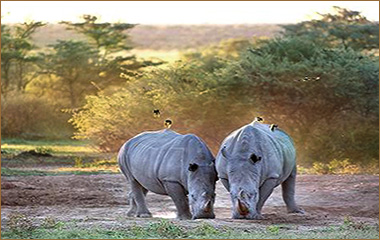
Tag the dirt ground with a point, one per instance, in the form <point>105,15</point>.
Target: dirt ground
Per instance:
<point>102,200</point>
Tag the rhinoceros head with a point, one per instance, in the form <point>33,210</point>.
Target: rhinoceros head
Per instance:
<point>201,186</point>
<point>243,170</point>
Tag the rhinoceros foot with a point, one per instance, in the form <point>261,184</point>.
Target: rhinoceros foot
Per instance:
<point>144,215</point>
<point>131,213</point>
<point>297,210</point>
<point>249,217</point>
<point>184,217</point>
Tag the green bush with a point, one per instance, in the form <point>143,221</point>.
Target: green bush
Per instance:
<point>325,98</point>
<point>44,150</point>
<point>344,166</point>
<point>320,168</point>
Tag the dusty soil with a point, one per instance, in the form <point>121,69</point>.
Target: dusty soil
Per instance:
<point>102,199</point>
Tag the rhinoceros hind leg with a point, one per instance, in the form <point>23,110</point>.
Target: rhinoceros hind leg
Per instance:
<point>264,192</point>
<point>288,192</point>
<point>178,194</point>
<point>133,208</point>
<point>138,193</point>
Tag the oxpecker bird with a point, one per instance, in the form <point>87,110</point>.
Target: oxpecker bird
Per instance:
<point>168,123</point>
<point>156,113</point>
<point>259,119</point>
<point>272,127</point>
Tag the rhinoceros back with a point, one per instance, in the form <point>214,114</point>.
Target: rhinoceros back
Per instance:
<point>276,147</point>
<point>154,157</point>
<point>281,142</point>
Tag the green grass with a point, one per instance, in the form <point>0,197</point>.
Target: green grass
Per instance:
<point>6,172</point>
<point>21,227</point>
<point>65,147</point>
<point>66,153</point>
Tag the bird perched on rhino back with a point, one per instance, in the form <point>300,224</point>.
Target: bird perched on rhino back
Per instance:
<point>272,127</point>
<point>168,123</point>
<point>258,119</point>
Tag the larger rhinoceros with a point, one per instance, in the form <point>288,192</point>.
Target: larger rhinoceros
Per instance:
<point>251,162</point>
<point>169,163</point>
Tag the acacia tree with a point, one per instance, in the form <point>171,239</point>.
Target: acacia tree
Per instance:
<point>73,65</point>
<point>112,44</point>
<point>18,64</point>
<point>345,27</point>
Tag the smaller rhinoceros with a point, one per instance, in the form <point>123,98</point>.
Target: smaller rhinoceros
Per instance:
<point>169,163</point>
<point>251,162</point>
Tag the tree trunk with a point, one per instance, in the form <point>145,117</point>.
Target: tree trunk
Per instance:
<point>73,99</point>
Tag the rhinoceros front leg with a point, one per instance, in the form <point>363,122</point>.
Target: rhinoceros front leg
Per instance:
<point>288,192</point>
<point>138,193</point>
<point>264,192</point>
<point>178,194</point>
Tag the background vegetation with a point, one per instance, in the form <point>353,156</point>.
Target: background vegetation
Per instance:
<point>318,80</point>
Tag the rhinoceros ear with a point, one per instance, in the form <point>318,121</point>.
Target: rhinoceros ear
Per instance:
<point>193,167</point>
<point>224,152</point>
<point>254,158</point>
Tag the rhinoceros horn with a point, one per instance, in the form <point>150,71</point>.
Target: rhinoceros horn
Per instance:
<point>207,206</point>
<point>242,208</point>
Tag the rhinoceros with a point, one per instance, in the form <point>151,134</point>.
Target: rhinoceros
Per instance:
<point>169,163</point>
<point>251,162</point>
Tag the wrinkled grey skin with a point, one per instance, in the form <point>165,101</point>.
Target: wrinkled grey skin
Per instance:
<point>169,163</point>
<point>251,180</point>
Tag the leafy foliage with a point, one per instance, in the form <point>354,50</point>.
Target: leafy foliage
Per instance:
<point>324,97</point>
<point>320,95</point>
<point>74,63</point>
<point>345,27</point>
<point>110,39</point>
<point>18,63</point>
<point>106,36</point>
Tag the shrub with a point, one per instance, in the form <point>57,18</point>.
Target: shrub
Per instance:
<point>29,117</point>
<point>78,162</point>
<point>342,167</point>
<point>337,167</point>
<point>44,150</point>
<point>320,168</point>
<point>326,99</point>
